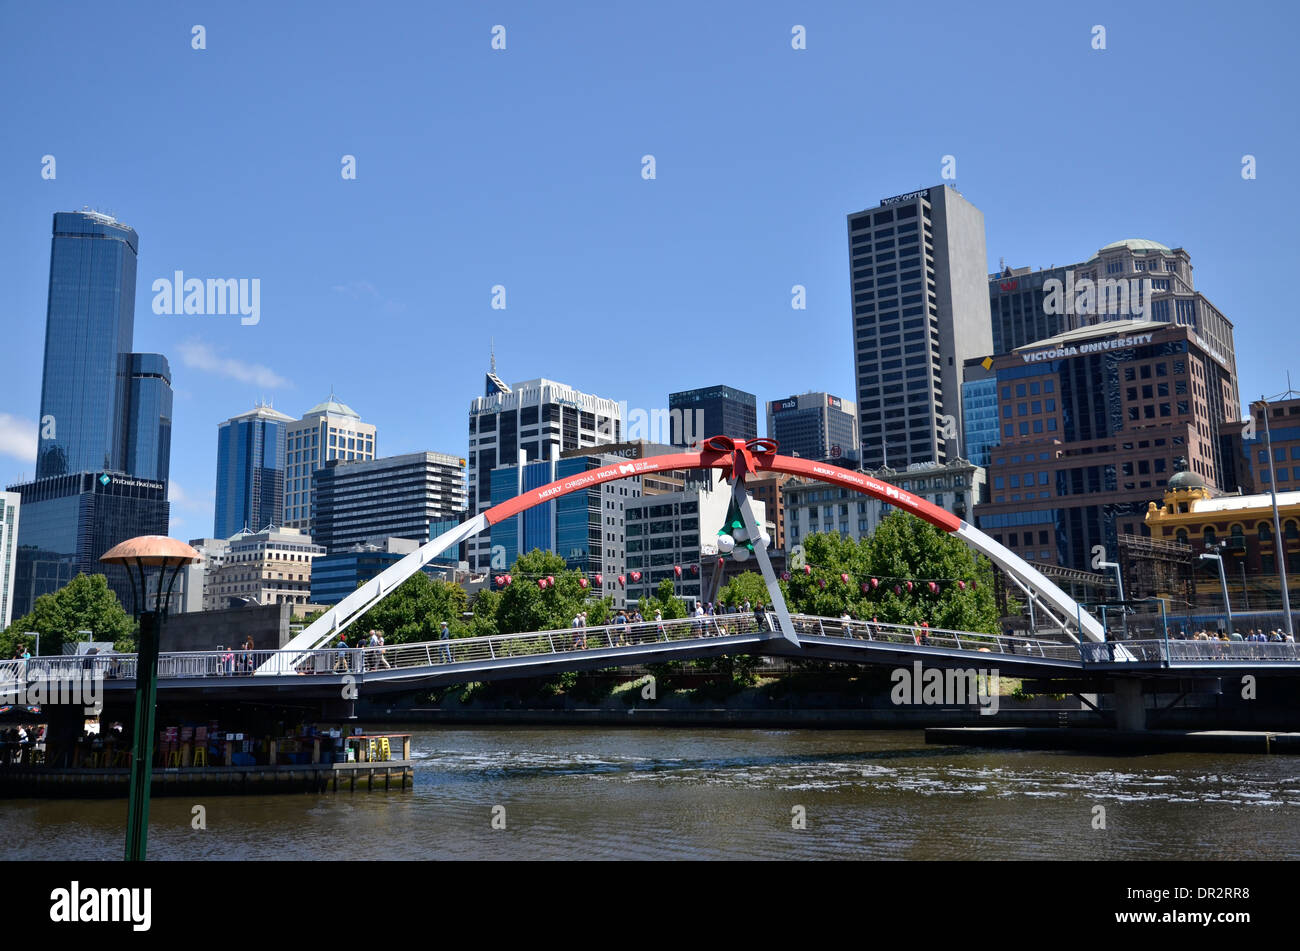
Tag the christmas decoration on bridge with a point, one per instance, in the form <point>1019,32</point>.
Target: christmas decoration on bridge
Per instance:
<point>733,537</point>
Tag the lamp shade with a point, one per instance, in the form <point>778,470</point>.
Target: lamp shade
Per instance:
<point>151,550</point>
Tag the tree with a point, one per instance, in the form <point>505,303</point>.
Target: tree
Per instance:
<point>86,603</point>
<point>524,606</point>
<point>414,611</point>
<point>903,548</point>
<point>664,600</point>
<point>746,586</point>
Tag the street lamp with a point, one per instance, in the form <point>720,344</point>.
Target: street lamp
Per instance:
<point>1279,543</point>
<point>147,551</point>
<point>1227,607</point>
<point>1119,578</point>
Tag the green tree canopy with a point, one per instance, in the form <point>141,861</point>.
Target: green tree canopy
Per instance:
<point>746,586</point>
<point>86,603</point>
<point>903,548</point>
<point>414,611</point>
<point>664,599</point>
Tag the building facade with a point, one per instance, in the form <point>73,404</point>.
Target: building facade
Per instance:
<point>1092,421</point>
<point>10,503</point>
<point>329,430</point>
<point>711,411</point>
<point>268,567</point>
<point>335,576</point>
<point>678,530</point>
<point>396,496</point>
<point>250,471</point>
<point>69,521</point>
<point>815,426</point>
<point>1240,529</point>
<point>146,432</point>
<point>532,421</point>
<point>813,507</point>
<point>919,284</point>
<point>1248,443</point>
<point>585,528</point>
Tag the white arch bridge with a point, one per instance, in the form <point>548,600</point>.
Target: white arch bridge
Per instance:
<point>736,459</point>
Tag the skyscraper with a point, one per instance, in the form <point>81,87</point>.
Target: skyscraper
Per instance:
<point>712,411</point>
<point>329,430</point>
<point>533,420</point>
<point>104,442</point>
<point>396,496</point>
<point>920,309</point>
<point>89,324</point>
<point>815,426</point>
<point>9,503</point>
<point>146,430</point>
<point>250,471</point>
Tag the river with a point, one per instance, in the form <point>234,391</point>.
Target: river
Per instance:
<point>606,793</point>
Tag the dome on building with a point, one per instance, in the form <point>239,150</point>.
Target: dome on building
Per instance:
<point>1186,480</point>
<point>332,405</point>
<point>1136,244</point>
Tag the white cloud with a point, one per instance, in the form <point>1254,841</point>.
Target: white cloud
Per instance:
<point>201,356</point>
<point>17,437</point>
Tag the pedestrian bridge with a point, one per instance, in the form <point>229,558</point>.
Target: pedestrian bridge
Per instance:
<point>287,675</point>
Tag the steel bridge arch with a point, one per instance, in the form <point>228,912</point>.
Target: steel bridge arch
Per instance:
<point>736,458</point>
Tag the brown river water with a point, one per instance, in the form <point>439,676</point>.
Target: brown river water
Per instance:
<point>607,793</point>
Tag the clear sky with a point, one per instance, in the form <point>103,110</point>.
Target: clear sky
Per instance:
<point>523,167</point>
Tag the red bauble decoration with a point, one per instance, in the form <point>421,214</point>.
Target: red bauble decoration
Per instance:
<point>509,579</point>
<point>875,582</point>
<point>934,588</point>
<point>864,587</point>
<point>541,583</point>
<point>897,590</point>
<point>821,582</point>
<point>622,581</point>
<point>677,570</point>
<point>807,569</point>
<point>636,576</point>
<point>582,582</point>
<point>844,578</point>
<point>550,580</point>
<point>500,580</point>
<point>600,579</point>
<point>962,585</point>
<point>785,576</point>
<point>695,569</point>
<point>909,586</point>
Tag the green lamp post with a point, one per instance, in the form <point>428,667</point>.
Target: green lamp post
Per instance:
<point>146,551</point>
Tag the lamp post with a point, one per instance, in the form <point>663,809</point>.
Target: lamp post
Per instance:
<point>1227,607</point>
<point>146,551</point>
<point>1279,543</point>
<point>1120,579</point>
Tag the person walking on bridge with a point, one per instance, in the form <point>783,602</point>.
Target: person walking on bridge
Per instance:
<point>444,635</point>
<point>341,662</point>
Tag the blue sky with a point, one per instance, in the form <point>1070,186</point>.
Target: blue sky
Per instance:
<point>522,167</point>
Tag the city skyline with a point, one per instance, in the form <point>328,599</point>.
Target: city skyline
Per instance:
<point>669,310</point>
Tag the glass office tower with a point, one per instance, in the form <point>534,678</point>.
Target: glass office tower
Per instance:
<point>145,423</point>
<point>250,471</point>
<point>90,319</point>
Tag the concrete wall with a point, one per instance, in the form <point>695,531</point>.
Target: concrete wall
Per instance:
<point>205,630</point>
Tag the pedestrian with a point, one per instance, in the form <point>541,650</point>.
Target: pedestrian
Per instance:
<point>444,634</point>
<point>383,654</point>
<point>341,662</point>
<point>760,616</point>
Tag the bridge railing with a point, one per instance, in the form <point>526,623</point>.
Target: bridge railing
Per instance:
<point>933,637</point>
<point>461,650</point>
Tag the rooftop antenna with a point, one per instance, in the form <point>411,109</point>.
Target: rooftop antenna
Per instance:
<point>492,354</point>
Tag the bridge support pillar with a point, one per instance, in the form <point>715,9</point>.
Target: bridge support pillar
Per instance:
<point>1130,710</point>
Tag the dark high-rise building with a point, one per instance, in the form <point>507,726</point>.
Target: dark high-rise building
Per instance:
<point>69,521</point>
<point>392,497</point>
<point>104,442</point>
<point>712,411</point>
<point>146,430</point>
<point>250,472</point>
<point>815,426</point>
<point>90,319</point>
<point>919,279</point>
